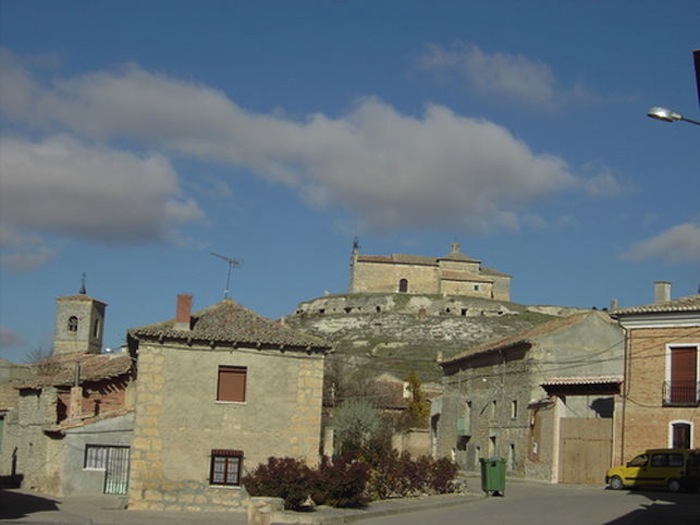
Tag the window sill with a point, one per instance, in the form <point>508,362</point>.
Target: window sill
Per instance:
<point>219,402</point>
<point>227,487</point>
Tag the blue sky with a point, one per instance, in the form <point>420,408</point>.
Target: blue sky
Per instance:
<point>139,137</point>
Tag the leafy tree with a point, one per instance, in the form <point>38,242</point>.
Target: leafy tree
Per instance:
<point>355,421</point>
<point>418,410</point>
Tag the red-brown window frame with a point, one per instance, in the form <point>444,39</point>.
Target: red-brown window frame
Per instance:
<point>229,459</point>
<point>231,384</point>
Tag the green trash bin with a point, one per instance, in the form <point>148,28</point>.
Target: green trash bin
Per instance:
<point>493,476</point>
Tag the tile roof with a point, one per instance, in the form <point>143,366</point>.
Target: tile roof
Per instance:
<point>70,424</point>
<point>80,297</point>
<point>60,370</point>
<point>690,303</point>
<point>491,271</point>
<point>402,258</point>
<point>592,380</point>
<point>457,275</point>
<point>458,256</point>
<point>520,338</point>
<point>399,258</point>
<point>227,322</point>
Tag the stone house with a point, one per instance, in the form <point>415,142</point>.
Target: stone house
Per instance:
<point>218,392</point>
<point>454,274</point>
<point>662,374</point>
<point>543,399</point>
<point>69,429</point>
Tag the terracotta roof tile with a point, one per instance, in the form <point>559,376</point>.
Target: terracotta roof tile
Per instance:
<point>523,337</point>
<point>593,380</point>
<point>456,275</point>
<point>227,322</point>
<point>60,370</point>
<point>690,303</point>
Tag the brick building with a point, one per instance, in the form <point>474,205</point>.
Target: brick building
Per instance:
<point>662,374</point>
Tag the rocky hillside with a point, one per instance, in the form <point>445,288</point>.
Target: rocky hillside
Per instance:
<point>397,333</point>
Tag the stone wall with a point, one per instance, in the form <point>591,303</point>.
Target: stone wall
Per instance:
<point>27,452</point>
<point>494,392</point>
<point>113,431</point>
<point>369,277</point>
<point>179,421</point>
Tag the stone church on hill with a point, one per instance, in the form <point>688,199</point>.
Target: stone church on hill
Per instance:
<point>452,274</point>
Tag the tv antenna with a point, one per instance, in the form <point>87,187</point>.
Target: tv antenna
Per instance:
<point>231,263</point>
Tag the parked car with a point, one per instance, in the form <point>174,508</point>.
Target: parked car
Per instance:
<point>673,468</point>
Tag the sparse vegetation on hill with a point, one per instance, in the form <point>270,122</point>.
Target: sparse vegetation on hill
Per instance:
<point>397,333</point>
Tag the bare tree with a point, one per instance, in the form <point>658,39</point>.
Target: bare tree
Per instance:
<point>38,355</point>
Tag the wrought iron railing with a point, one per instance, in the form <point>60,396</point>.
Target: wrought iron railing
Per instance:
<point>681,393</point>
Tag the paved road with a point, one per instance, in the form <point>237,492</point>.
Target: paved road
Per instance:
<point>524,502</point>
<point>545,504</point>
<point>26,507</point>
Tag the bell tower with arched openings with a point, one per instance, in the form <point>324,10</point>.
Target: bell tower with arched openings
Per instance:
<point>79,324</point>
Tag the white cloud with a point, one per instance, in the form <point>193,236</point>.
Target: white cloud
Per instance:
<point>64,186</point>
<point>675,245</point>
<point>23,252</point>
<point>501,74</point>
<point>390,169</point>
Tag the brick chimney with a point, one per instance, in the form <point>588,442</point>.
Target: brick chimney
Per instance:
<point>183,316</point>
<point>75,401</point>
<point>662,291</point>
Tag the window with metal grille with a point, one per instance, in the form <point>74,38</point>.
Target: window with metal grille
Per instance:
<point>232,383</point>
<point>95,457</point>
<point>225,467</point>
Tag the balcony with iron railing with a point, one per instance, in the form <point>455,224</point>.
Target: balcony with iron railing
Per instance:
<point>681,393</point>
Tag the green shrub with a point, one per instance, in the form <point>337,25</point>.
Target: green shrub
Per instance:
<point>286,478</point>
<point>378,472</point>
<point>342,483</point>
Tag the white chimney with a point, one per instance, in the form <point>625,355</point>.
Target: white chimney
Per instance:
<point>662,291</point>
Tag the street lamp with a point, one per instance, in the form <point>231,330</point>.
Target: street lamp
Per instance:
<point>667,115</point>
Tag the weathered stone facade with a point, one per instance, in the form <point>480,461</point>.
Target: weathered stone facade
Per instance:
<point>496,400</point>
<point>79,325</point>
<point>75,390</point>
<point>454,274</point>
<point>50,404</point>
<point>179,421</point>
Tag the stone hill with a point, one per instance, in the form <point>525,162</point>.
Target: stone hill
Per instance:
<point>396,333</point>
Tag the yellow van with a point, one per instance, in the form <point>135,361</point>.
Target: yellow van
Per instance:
<point>672,468</point>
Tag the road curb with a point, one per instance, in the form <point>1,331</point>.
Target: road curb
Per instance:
<point>333,516</point>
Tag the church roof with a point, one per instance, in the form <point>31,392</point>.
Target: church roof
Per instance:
<point>399,258</point>
<point>457,275</point>
<point>227,322</point>
<point>80,297</point>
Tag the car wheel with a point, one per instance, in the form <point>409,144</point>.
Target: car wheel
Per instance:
<point>615,483</point>
<point>674,485</point>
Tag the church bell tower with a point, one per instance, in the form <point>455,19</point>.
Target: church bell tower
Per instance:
<point>79,324</point>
